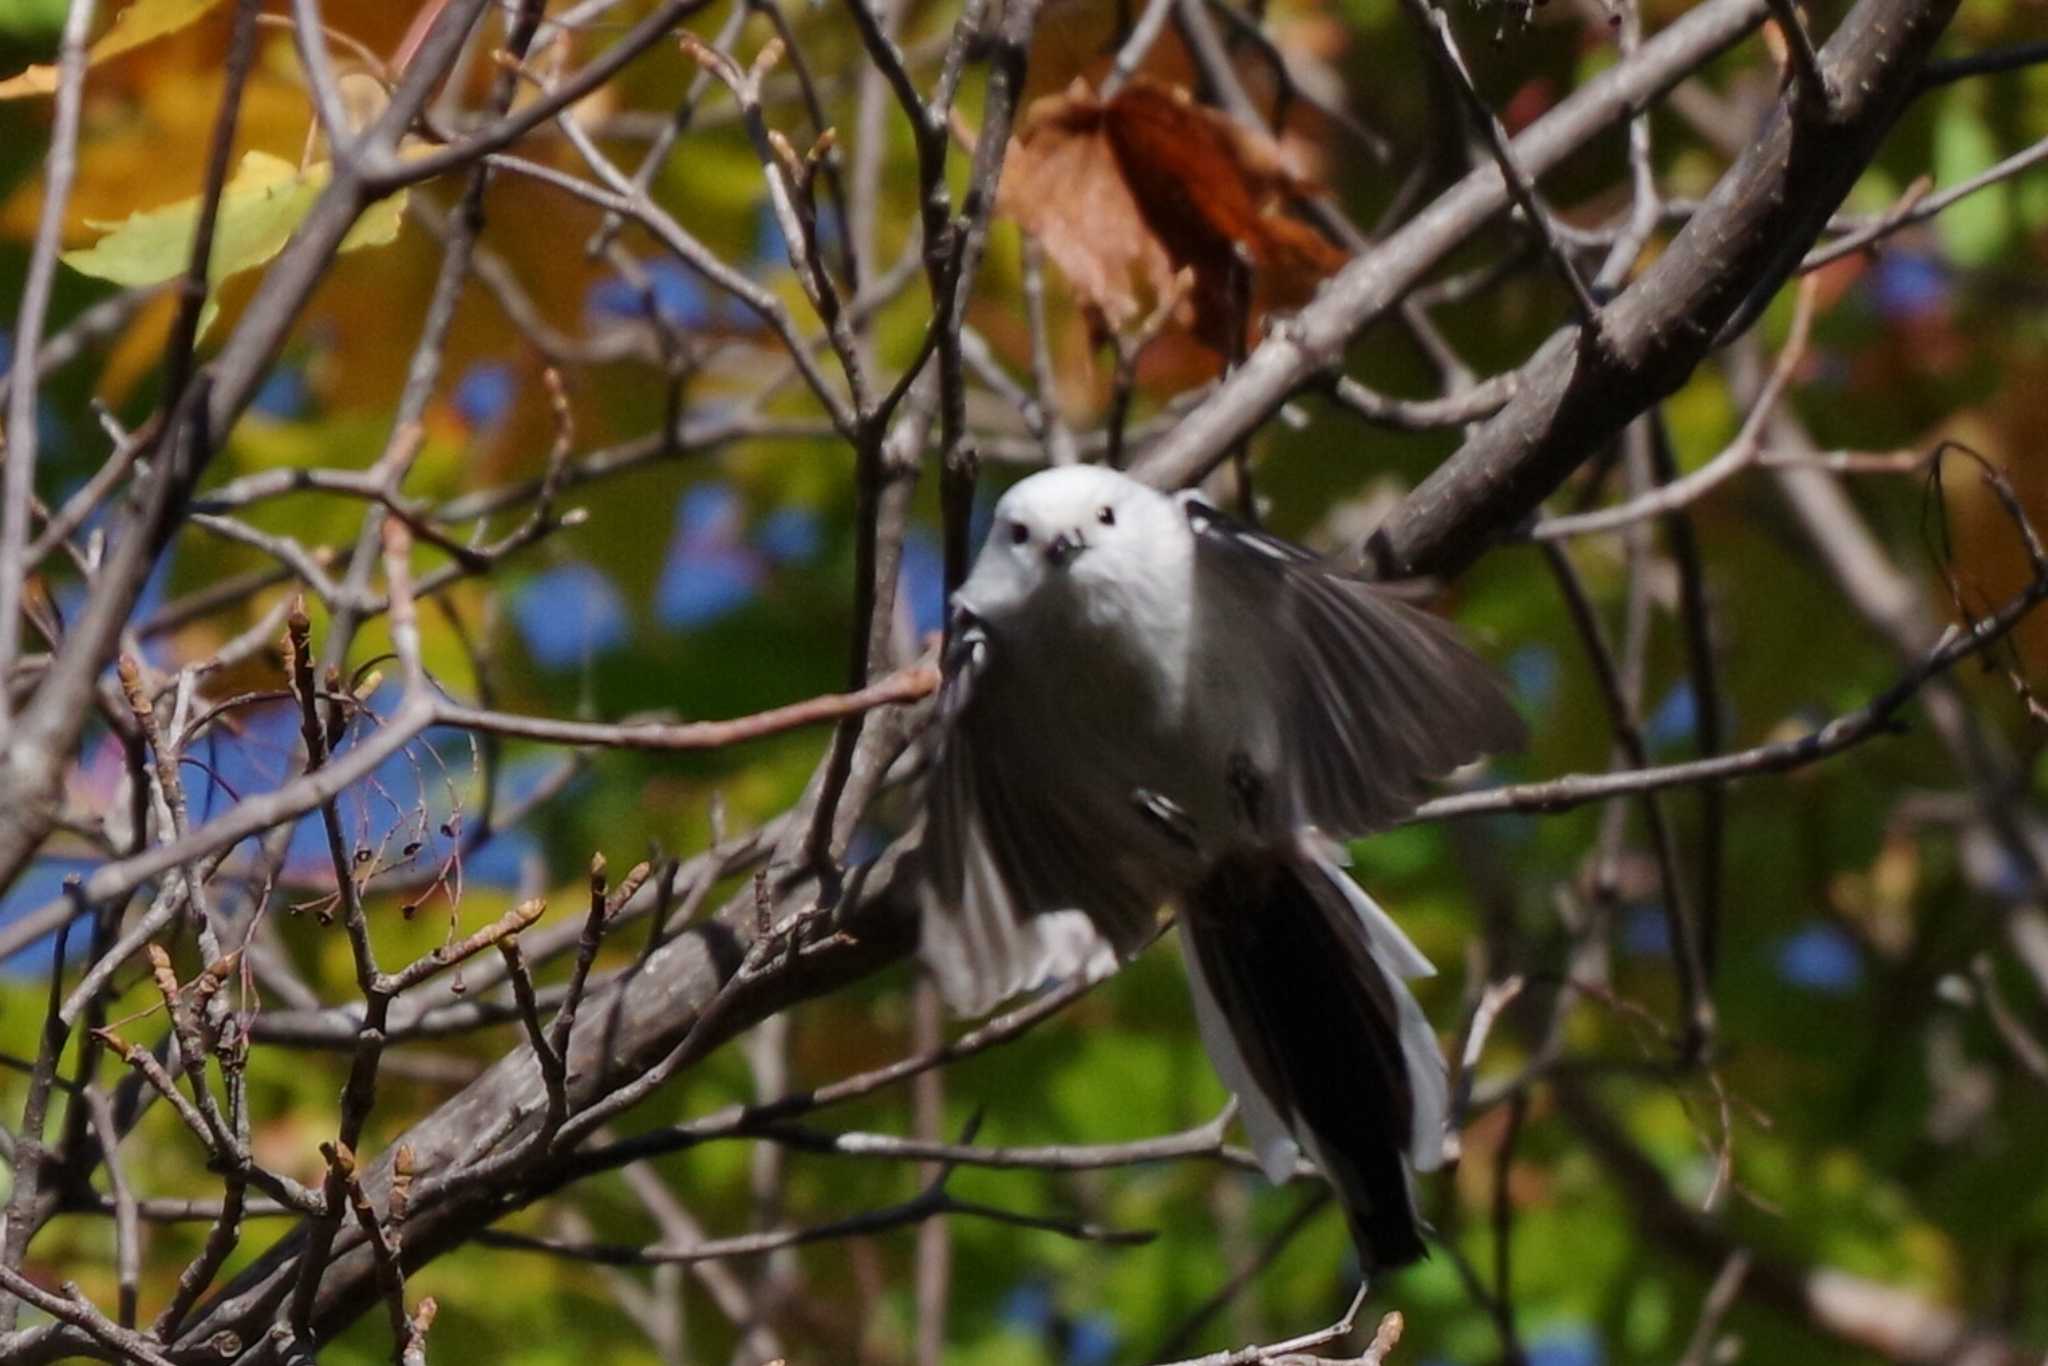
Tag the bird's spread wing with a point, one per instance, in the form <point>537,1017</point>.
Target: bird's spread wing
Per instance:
<point>1380,698</point>
<point>1020,889</point>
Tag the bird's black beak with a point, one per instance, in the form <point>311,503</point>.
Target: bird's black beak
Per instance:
<point>1062,549</point>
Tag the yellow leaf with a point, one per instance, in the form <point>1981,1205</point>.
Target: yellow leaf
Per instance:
<point>141,22</point>
<point>260,207</point>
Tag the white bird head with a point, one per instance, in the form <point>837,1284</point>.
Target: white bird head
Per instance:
<point>1069,530</point>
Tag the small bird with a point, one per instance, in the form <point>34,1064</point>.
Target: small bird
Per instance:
<point>1149,705</point>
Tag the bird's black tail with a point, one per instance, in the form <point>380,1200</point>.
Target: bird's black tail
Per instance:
<point>1298,981</point>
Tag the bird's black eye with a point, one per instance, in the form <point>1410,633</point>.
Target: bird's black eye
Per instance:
<point>1107,516</point>
<point>1019,533</point>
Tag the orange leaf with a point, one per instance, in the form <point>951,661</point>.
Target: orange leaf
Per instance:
<point>143,22</point>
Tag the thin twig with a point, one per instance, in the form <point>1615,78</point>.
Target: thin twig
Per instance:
<point>17,481</point>
<point>2027,1050</point>
<point>1497,996</point>
<point>1675,494</point>
<point>73,1308</point>
<point>911,1212</point>
<point>1842,732</point>
<point>904,686</point>
<point>1437,24</point>
<point>1699,1350</point>
<point>127,1223</point>
<point>1241,1279</point>
<point>739,1118</point>
<point>28,1202</point>
<point>554,1073</point>
<point>1136,46</point>
<point>1390,1328</point>
<point>1920,208</point>
<point>1696,1004</point>
<point>1818,95</point>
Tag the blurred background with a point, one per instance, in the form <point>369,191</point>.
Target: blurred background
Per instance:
<point>1860,1154</point>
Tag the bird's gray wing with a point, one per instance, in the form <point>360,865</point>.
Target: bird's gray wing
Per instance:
<point>1022,886</point>
<point>1380,698</point>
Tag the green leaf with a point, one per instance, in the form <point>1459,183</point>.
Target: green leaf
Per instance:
<point>33,20</point>
<point>261,206</point>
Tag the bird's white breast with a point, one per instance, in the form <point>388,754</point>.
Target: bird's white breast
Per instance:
<point>1147,685</point>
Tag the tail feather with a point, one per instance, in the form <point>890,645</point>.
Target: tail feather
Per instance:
<point>1299,977</point>
<point>1397,954</point>
<point>1271,1132</point>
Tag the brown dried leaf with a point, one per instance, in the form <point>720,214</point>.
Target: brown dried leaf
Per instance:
<point>1126,193</point>
<point>1063,185</point>
<point>1216,193</point>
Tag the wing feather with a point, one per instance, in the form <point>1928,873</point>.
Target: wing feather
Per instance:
<point>1379,698</point>
<point>1024,887</point>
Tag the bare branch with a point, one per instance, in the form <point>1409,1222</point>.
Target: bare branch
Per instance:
<point>906,685</point>
<point>1307,347</point>
<point>1322,1337</point>
<point>1841,733</point>
<point>60,168</point>
<point>73,1308</point>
